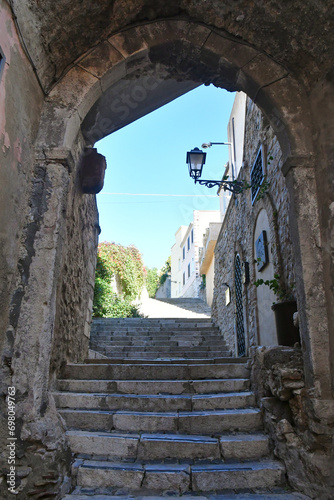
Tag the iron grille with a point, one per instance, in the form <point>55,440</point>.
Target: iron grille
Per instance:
<point>257,175</point>
<point>239,308</point>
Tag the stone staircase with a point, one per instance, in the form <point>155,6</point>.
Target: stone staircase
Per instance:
<point>157,338</point>
<point>144,424</point>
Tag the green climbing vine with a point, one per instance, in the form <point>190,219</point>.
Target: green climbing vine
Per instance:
<point>124,264</point>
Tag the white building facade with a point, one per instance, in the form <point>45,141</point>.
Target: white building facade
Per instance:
<point>185,266</point>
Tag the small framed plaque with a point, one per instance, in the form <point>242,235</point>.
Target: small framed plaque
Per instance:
<point>261,247</point>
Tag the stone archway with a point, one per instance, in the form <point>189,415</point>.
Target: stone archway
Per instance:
<point>174,51</point>
<point>193,53</point>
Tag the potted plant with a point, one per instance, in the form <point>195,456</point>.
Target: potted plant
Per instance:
<point>284,309</point>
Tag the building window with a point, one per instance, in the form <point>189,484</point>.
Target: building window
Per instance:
<point>189,270</point>
<point>184,253</point>
<point>188,243</point>
<point>257,175</point>
<point>184,279</point>
<point>192,236</point>
<point>2,61</point>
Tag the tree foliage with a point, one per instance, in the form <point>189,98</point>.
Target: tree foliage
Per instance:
<point>165,271</point>
<point>126,265</point>
<point>154,278</point>
<point>152,281</point>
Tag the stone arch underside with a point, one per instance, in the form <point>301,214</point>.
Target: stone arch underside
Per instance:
<point>178,55</point>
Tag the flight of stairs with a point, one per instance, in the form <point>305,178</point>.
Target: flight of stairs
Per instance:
<point>151,424</point>
<point>135,338</point>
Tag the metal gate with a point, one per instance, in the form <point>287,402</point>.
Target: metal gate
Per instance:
<point>239,307</point>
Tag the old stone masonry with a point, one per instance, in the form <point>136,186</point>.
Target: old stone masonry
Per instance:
<point>162,410</point>
<point>156,417</point>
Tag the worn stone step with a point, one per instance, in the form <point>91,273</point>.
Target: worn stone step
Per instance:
<point>151,321</point>
<point>167,331</point>
<point>196,422</point>
<point>180,478</point>
<point>171,361</point>
<point>168,446</point>
<point>189,354</point>
<point>154,386</point>
<point>161,371</point>
<point>165,342</point>
<point>158,403</point>
<point>161,349</point>
<point>261,494</point>
<point>157,330</point>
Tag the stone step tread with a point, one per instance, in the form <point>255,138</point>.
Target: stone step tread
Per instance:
<point>154,402</point>
<point>167,332</point>
<point>184,422</point>
<point>155,386</point>
<point>162,348</point>
<point>160,436</point>
<point>156,332</point>
<point>154,446</point>
<point>151,320</point>
<point>157,343</point>
<point>161,371</point>
<point>176,467</point>
<point>180,478</point>
<point>151,355</point>
<point>171,361</point>
<point>265,495</point>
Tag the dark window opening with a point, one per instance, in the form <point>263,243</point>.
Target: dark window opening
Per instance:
<point>184,278</point>
<point>188,270</point>
<point>257,175</point>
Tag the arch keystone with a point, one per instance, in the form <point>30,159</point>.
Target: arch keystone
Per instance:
<point>236,52</point>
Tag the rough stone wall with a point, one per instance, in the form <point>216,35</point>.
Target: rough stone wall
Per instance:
<point>20,107</point>
<point>164,291</point>
<point>236,235</point>
<point>76,281</point>
<point>42,214</point>
<point>301,428</point>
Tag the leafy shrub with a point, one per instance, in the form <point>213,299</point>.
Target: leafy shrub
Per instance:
<point>152,281</point>
<point>125,263</point>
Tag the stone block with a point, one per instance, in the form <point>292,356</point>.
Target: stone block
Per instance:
<point>101,59</point>
<point>162,446</point>
<point>222,401</point>
<point>244,446</point>
<point>219,385</point>
<point>145,422</point>
<point>109,474</point>
<point>106,444</point>
<point>167,478</point>
<point>220,421</point>
<point>237,476</point>
<point>128,43</point>
<point>237,52</point>
<point>88,419</point>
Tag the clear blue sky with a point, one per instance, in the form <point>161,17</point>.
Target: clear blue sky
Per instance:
<point>148,157</point>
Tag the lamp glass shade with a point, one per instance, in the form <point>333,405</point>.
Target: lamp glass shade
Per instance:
<point>195,161</point>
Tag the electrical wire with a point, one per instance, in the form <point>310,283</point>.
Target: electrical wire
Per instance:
<point>24,45</point>
<point>155,194</point>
